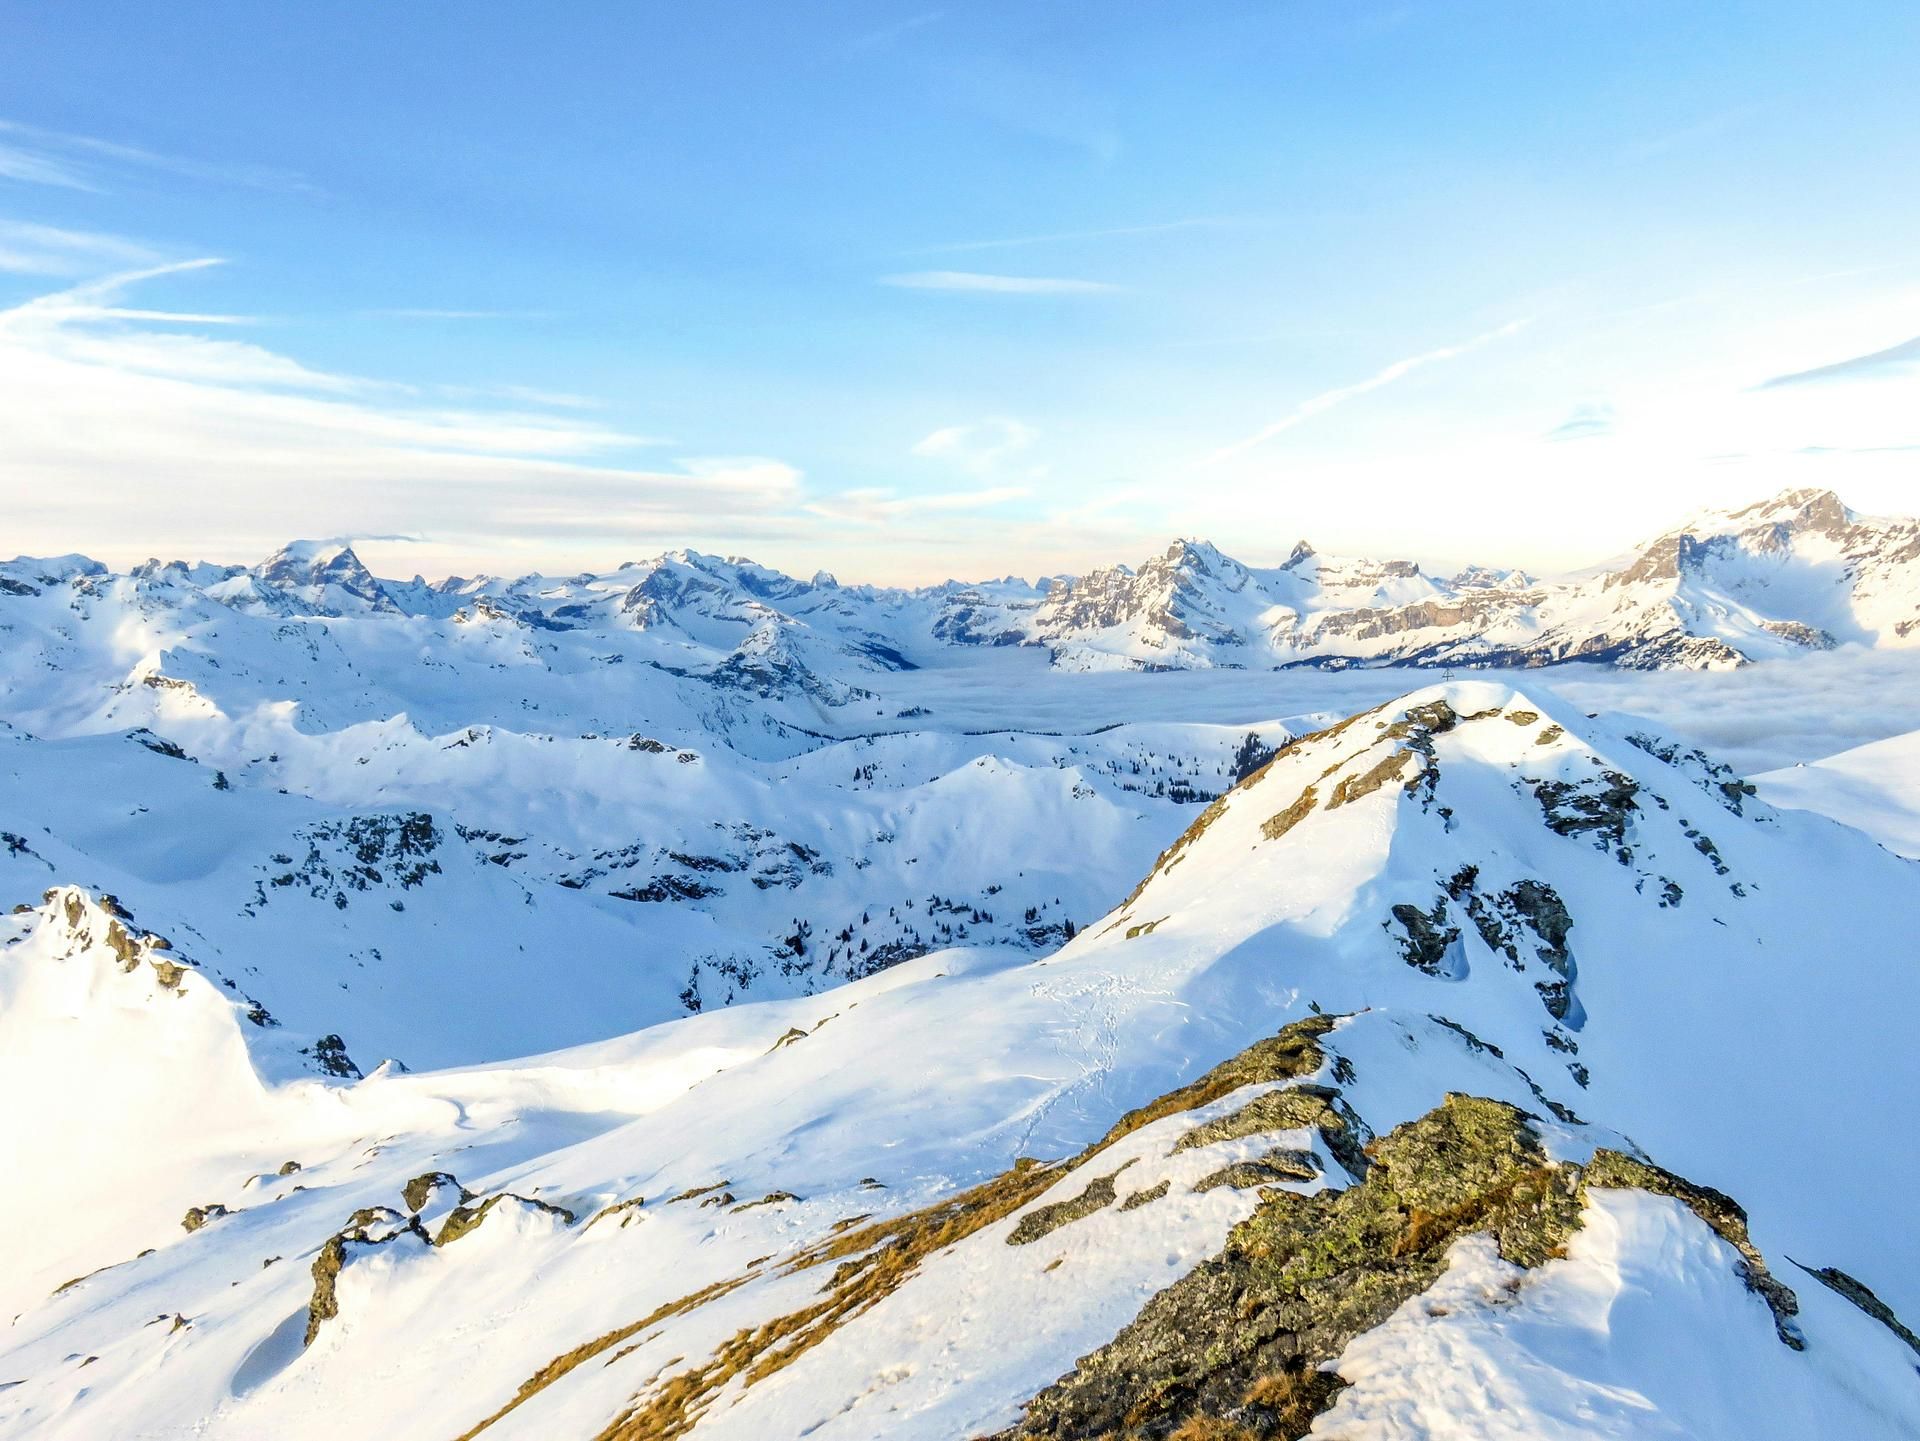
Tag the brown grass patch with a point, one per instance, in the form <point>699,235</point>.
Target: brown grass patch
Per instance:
<point>567,1361</point>
<point>873,1263</point>
<point>1288,1056</point>
<point>1276,826</point>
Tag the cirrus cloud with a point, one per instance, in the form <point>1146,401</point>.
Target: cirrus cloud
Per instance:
<point>975,282</point>
<point>132,430</point>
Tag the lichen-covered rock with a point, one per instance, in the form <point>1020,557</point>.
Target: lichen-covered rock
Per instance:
<point>1148,1196</point>
<point>368,1228</point>
<point>1840,1283</point>
<point>1042,1220</point>
<point>1303,1107</point>
<point>1235,1348</point>
<point>1293,1054</point>
<point>1306,1273</point>
<point>198,1216</point>
<point>464,1218</point>
<point>772,1198</point>
<point>420,1192</point>
<point>1351,788</point>
<point>1269,1170</point>
<point>1277,825</point>
<point>628,1212</point>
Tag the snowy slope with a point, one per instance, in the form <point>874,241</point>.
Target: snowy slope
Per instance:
<point>447,840</point>
<point>1874,787</point>
<point>809,1216</point>
<point>442,899</point>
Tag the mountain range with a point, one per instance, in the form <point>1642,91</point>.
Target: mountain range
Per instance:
<point>1797,572</point>
<point>691,1000</point>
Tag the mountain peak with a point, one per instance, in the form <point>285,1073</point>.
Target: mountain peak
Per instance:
<point>316,570</point>
<point>1804,507</point>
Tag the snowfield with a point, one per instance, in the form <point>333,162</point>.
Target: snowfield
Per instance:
<point>697,1001</point>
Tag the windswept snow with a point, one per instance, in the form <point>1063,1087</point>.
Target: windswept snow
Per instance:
<point>1643,1331</point>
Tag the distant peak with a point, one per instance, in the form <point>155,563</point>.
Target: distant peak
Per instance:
<point>1192,545</point>
<point>321,563</point>
<point>312,552</point>
<point>1810,506</point>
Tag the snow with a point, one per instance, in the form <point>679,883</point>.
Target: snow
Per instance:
<point>1738,1003</point>
<point>1644,1330</point>
<point>1874,788</point>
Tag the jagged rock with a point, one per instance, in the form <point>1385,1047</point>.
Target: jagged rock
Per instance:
<point>1250,1329</point>
<point>421,1191</point>
<point>330,1056</point>
<point>1839,1282</point>
<point>1269,1170</point>
<point>198,1216</point>
<point>1428,942</point>
<point>464,1218</point>
<point>1042,1220</point>
<point>1147,1196</point>
<point>1602,808</point>
<point>367,1228</point>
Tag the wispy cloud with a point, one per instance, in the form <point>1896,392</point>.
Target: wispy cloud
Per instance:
<point>1111,232</point>
<point>1891,361</point>
<point>982,449</point>
<point>430,313</point>
<point>115,416</point>
<point>884,36</point>
<point>882,507</point>
<point>85,325</point>
<point>1858,449</point>
<point>985,451</point>
<point>1589,421</point>
<point>975,282</point>
<point>1328,399</point>
<point>21,163</point>
<point>40,156</point>
<point>533,395</point>
<point>30,249</point>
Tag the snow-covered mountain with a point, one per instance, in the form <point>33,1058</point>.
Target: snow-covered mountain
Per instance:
<point>1797,572</point>
<point>1794,573</point>
<point>691,999</point>
<point>690,781</point>
<point>1472,1068</point>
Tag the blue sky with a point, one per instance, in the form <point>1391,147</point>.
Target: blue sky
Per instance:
<point>909,291</point>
